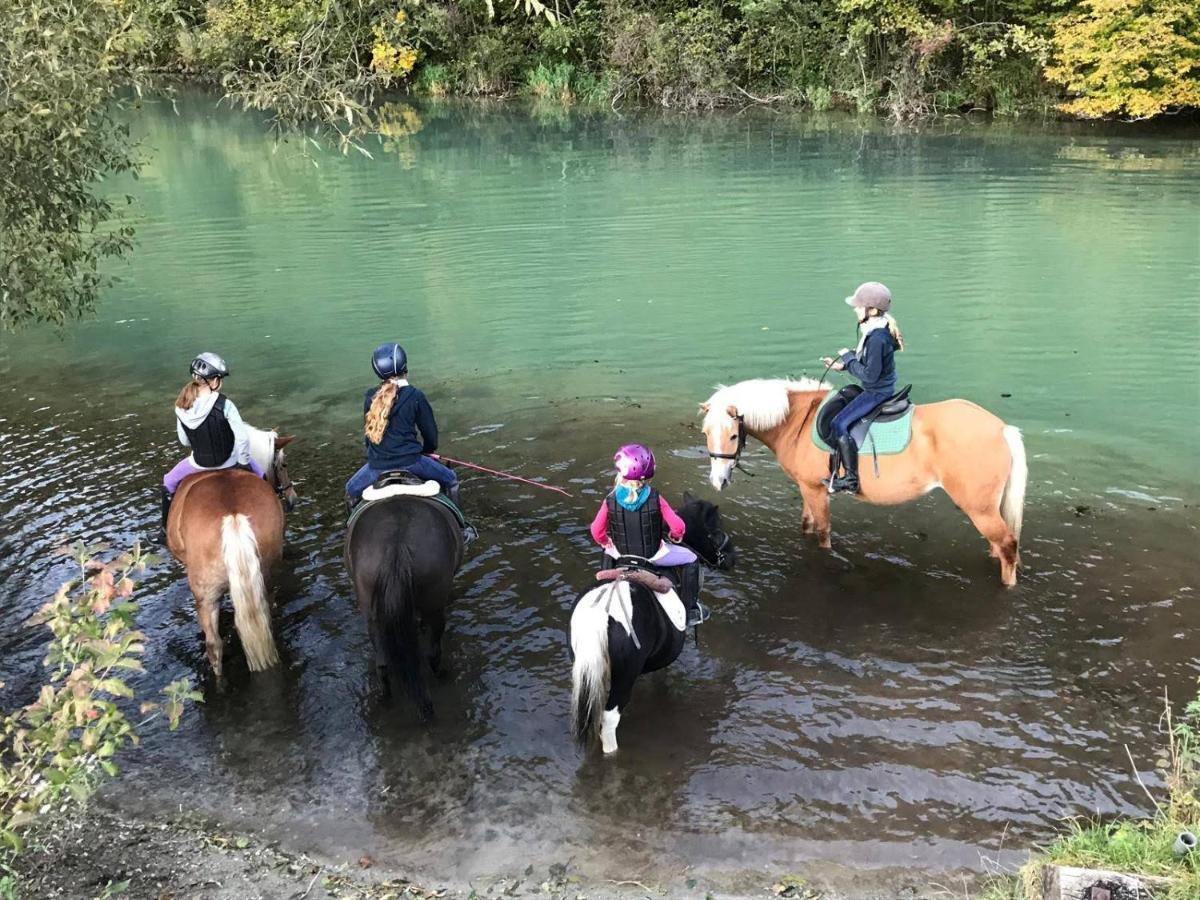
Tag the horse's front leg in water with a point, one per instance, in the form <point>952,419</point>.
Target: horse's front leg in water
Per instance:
<point>816,506</point>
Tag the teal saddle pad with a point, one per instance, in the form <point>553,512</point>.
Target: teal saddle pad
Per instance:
<point>884,438</point>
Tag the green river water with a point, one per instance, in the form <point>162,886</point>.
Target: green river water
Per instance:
<point>564,284</point>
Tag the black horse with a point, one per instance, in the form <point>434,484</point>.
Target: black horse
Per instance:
<point>621,629</point>
<point>402,553</point>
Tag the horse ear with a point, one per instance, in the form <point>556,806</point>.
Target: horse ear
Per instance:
<point>284,440</point>
<point>732,410</point>
<point>704,408</point>
<point>688,497</point>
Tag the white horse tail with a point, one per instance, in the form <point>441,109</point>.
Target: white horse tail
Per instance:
<point>592,673</point>
<point>1012,501</point>
<point>251,614</point>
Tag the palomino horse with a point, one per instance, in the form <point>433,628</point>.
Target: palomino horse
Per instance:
<point>957,446</point>
<point>402,553</point>
<point>226,527</point>
<point>621,630</point>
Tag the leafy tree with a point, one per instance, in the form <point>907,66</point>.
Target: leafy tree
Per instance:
<point>1135,58</point>
<point>60,64</point>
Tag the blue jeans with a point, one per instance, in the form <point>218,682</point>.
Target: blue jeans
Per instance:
<point>424,467</point>
<point>862,405</point>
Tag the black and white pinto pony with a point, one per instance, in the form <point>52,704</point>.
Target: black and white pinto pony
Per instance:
<point>621,629</point>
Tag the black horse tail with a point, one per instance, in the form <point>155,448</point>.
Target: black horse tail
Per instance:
<point>394,608</point>
<point>592,672</point>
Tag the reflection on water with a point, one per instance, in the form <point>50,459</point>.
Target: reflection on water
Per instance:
<point>567,286</point>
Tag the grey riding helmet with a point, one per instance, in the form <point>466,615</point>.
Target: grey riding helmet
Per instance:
<point>209,365</point>
<point>871,295</point>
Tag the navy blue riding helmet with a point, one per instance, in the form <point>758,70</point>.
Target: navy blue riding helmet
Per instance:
<point>389,360</point>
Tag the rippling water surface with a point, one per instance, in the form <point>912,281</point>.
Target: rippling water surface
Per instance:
<point>568,284</point>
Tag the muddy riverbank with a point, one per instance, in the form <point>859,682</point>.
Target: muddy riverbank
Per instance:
<point>189,857</point>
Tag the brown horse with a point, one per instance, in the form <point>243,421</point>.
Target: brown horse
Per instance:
<point>226,527</point>
<point>962,448</point>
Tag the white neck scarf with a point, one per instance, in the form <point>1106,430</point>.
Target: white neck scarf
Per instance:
<point>872,324</point>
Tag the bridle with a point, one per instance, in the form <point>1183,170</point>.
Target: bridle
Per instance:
<point>721,556</point>
<point>736,456</point>
<point>280,489</point>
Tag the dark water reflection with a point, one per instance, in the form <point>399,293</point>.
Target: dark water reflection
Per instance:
<point>886,704</point>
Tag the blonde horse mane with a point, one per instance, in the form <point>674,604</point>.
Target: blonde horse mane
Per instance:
<point>763,402</point>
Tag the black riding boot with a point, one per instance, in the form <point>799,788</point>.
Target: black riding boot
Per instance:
<point>166,510</point>
<point>454,493</point>
<point>848,451</point>
<point>689,593</point>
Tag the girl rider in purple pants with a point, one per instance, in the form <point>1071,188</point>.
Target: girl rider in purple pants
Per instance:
<point>208,423</point>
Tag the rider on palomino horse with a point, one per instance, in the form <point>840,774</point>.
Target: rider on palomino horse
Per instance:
<point>210,425</point>
<point>873,364</point>
<point>395,411</point>
<point>630,523</point>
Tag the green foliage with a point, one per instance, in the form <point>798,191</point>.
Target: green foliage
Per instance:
<point>1135,58</point>
<point>56,749</point>
<point>60,64</point>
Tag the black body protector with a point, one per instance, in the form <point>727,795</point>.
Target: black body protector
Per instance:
<point>212,442</point>
<point>636,532</point>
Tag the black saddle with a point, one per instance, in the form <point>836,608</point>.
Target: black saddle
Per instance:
<point>897,406</point>
<point>405,477</point>
<point>397,476</point>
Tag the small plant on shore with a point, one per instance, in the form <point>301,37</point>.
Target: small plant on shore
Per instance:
<point>1144,847</point>
<point>56,750</point>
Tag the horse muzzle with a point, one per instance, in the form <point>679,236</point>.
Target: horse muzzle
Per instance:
<point>720,473</point>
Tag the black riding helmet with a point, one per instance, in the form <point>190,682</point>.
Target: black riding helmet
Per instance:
<point>209,365</point>
<point>389,360</point>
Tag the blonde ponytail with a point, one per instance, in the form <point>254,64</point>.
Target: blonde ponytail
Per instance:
<point>894,328</point>
<point>190,392</point>
<point>381,408</point>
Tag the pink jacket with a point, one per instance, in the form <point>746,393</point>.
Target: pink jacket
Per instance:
<point>675,525</point>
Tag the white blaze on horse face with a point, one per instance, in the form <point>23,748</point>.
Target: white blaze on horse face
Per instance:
<point>720,472</point>
<point>608,730</point>
<point>720,437</point>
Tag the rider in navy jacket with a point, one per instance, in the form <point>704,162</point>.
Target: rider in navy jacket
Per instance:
<point>873,363</point>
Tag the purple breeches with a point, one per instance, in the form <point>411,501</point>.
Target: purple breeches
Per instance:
<point>186,467</point>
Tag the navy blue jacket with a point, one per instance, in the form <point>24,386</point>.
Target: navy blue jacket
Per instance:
<point>400,446</point>
<point>875,367</point>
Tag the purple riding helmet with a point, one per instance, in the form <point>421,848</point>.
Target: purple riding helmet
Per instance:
<point>634,462</point>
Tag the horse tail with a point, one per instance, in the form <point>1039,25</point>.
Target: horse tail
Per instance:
<point>592,672</point>
<point>1012,501</point>
<point>251,614</point>
<point>393,607</point>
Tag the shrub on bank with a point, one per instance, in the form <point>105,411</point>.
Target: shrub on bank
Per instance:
<point>56,750</point>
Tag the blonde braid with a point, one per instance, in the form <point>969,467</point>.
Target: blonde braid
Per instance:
<point>894,328</point>
<point>381,408</point>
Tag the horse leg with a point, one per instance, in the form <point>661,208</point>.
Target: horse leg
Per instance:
<point>1002,542</point>
<point>208,608</point>
<point>816,505</point>
<point>626,665</point>
<point>436,621</point>
<point>807,526</point>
